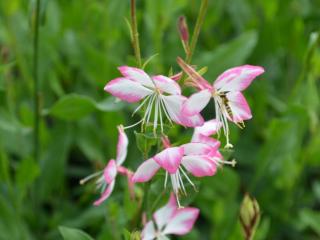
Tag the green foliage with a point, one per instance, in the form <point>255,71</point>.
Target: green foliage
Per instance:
<point>72,233</point>
<point>81,45</point>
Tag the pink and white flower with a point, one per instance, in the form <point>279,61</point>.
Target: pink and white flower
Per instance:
<point>170,220</point>
<point>195,158</point>
<point>106,179</point>
<point>229,102</point>
<point>161,96</point>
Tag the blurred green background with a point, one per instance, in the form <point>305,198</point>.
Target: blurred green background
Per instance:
<point>81,44</point>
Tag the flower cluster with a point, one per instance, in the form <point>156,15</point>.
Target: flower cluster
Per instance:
<point>161,102</point>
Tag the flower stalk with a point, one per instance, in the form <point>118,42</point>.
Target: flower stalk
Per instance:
<point>196,32</point>
<point>36,81</point>
<point>135,34</point>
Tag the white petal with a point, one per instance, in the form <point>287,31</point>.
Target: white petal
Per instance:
<point>182,222</point>
<point>239,107</point>
<point>166,84</point>
<point>165,213</point>
<point>146,171</point>
<point>127,90</point>
<point>137,75</point>
<point>196,103</point>
<point>199,166</point>
<point>148,232</point>
<point>237,78</point>
<point>122,146</point>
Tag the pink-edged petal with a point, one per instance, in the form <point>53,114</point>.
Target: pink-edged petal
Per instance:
<point>173,105</point>
<point>239,107</point>
<point>167,85</point>
<point>105,194</point>
<point>165,213</point>
<point>237,78</point>
<point>196,103</point>
<point>196,149</point>
<point>215,144</point>
<point>170,158</point>
<point>122,146</point>
<point>148,232</point>
<point>191,121</point>
<point>127,90</point>
<point>110,171</point>
<point>199,166</point>
<point>137,75</point>
<point>207,129</point>
<point>182,222</point>
<point>145,171</point>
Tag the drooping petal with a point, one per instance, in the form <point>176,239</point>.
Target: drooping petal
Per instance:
<point>105,194</point>
<point>148,232</point>
<point>239,107</point>
<point>110,171</point>
<point>167,85</point>
<point>199,166</point>
<point>173,105</point>
<point>176,77</point>
<point>237,78</point>
<point>196,103</point>
<point>196,149</point>
<point>182,222</point>
<point>127,90</point>
<point>165,213</point>
<point>137,75</point>
<point>122,146</point>
<point>196,78</point>
<point>170,158</point>
<point>145,171</point>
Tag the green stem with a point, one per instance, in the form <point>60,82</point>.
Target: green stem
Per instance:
<point>36,81</point>
<point>135,34</point>
<point>196,32</point>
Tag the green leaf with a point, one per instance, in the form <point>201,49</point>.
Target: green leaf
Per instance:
<point>145,142</point>
<point>73,234</point>
<point>229,54</point>
<point>72,107</point>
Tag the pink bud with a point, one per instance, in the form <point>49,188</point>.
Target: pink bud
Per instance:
<point>183,29</point>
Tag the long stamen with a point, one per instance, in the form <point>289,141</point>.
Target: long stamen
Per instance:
<point>141,105</point>
<point>189,180</point>
<point>135,124</point>
<point>84,180</point>
<point>181,183</point>
<point>155,120</point>
<point>150,109</point>
<point>160,111</point>
<point>220,161</point>
<point>162,101</point>
<point>166,180</point>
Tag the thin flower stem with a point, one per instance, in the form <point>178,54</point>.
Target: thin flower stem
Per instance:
<point>36,82</point>
<point>196,32</point>
<point>135,34</point>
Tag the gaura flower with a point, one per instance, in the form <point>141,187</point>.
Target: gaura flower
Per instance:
<point>161,97</point>
<point>229,102</point>
<point>106,179</point>
<point>170,220</point>
<point>195,158</point>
